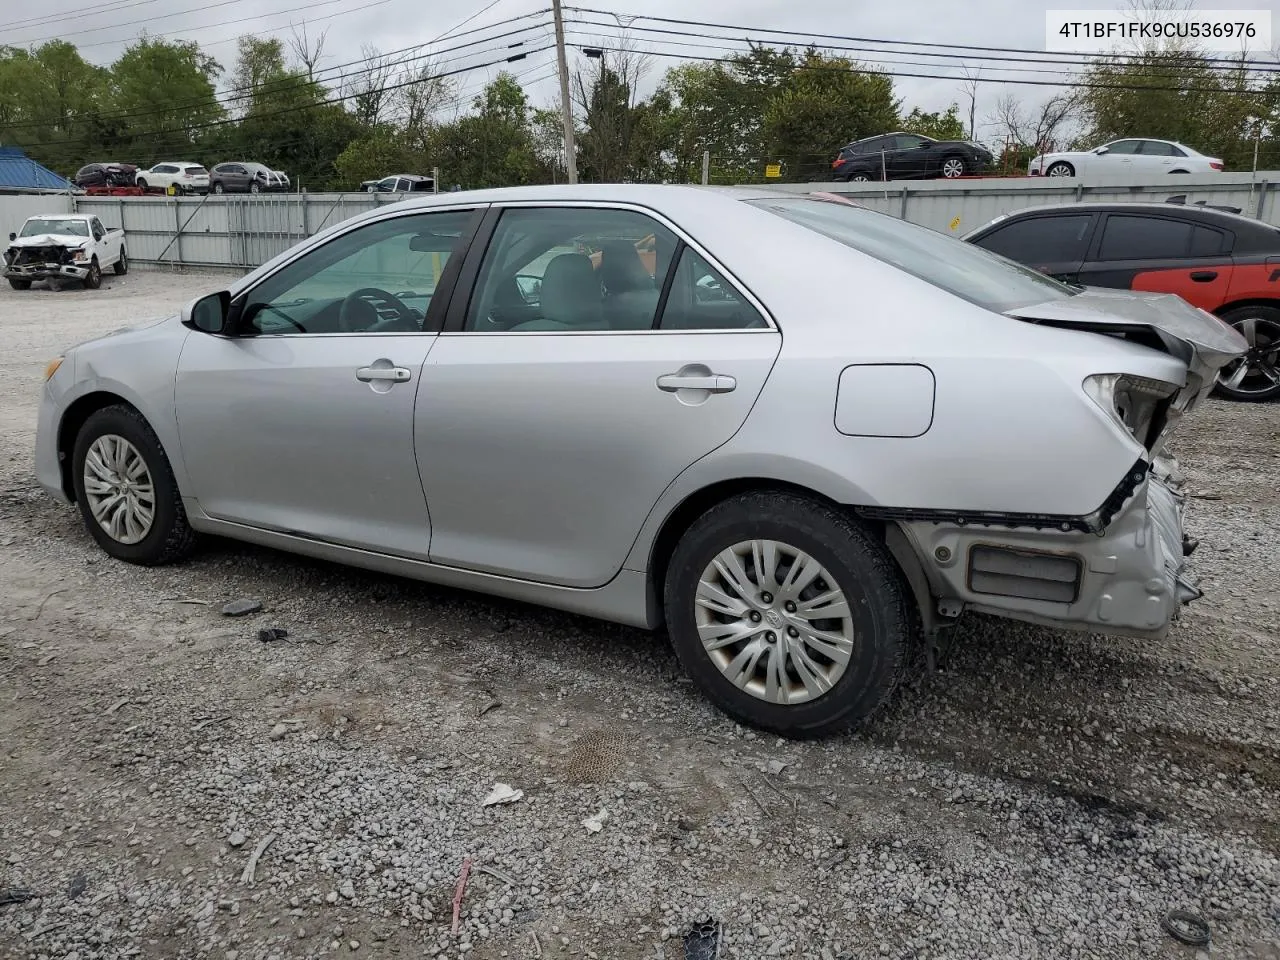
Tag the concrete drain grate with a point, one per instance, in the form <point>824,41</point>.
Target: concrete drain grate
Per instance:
<point>703,941</point>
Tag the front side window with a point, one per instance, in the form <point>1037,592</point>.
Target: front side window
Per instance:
<point>1040,239</point>
<point>560,269</point>
<point>1126,237</point>
<point>387,183</point>
<point>963,269</point>
<point>378,278</point>
<point>98,230</point>
<point>1124,147</point>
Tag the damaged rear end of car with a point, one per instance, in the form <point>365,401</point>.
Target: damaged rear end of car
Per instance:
<point>1122,568</point>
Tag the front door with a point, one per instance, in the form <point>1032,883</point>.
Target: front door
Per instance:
<point>545,435</point>
<point>303,423</point>
<point>1054,244</point>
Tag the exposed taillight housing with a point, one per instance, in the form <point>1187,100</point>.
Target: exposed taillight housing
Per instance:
<point>1216,164</point>
<point>1138,404</point>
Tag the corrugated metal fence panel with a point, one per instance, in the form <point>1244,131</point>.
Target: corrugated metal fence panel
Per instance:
<point>16,208</point>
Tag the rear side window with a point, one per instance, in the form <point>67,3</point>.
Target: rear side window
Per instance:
<point>1041,239</point>
<point>1155,148</point>
<point>701,299</point>
<point>1207,243</point>
<point>960,268</point>
<point>1126,237</point>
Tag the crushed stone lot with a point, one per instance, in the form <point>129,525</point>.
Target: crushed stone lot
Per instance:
<point>172,786</point>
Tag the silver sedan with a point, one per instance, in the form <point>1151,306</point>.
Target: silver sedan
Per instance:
<point>803,435</point>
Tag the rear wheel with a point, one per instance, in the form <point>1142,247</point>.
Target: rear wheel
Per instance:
<point>217,187</point>
<point>1256,375</point>
<point>1060,169</point>
<point>125,489</point>
<point>788,614</point>
<point>20,284</point>
<point>94,278</point>
<point>122,265</point>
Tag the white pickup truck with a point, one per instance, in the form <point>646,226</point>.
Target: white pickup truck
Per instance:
<point>65,246</point>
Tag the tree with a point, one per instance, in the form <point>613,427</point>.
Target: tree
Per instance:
<point>306,51</point>
<point>259,61</point>
<point>939,126</point>
<point>494,145</point>
<point>1047,127</point>
<point>166,88</point>
<point>825,103</point>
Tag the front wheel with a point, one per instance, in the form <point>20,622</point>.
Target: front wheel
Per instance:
<point>1060,169</point>
<point>218,188</point>
<point>953,167</point>
<point>93,280</point>
<point>142,185</point>
<point>126,491</point>
<point>254,188</point>
<point>1256,375</point>
<point>788,614</point>
<point>122,265</point>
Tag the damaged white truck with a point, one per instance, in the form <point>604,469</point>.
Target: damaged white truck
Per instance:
<point>70,246</point>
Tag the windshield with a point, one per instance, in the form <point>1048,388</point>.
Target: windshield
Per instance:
<point>977,275</point>
<point>38,225</point>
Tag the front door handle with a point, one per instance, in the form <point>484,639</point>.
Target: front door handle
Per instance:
<point>394,374</point>
<point>713,382</point>
<point>1204,276</point>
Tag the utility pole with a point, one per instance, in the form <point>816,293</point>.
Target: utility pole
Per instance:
<point>566,108</point>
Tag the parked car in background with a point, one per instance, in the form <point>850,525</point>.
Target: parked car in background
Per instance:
<point>70,246</point>
<point>400,183</point>
<point>246,177</point>
<point>1140,157</point>
<point>793,494</point>
<point>909,156</point>
<point>175,178</point>
<point>1221,262</point>
<point>106,175</point>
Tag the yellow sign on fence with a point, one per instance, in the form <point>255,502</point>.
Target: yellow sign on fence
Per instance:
<point>955,223</point>
<point>773,170</point>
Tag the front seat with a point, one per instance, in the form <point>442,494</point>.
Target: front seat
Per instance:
<point>570,296</point>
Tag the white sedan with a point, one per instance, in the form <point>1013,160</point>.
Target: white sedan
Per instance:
<point>175,178</point>
<point>1140,157</point>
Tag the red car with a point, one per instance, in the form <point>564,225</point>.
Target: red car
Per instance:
<point>1219,261</point>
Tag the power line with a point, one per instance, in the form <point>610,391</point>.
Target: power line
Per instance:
<point>926,76</point>
<point>619,17</point>
<point>254,90</point>
<point>208,125</point>
<point>1080,62</point>
<point>79,12</point>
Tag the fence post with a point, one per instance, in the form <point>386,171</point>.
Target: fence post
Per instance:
<point>306,228</point>
<point>902,211</point>
<point>1079,192</point>
<point>1262,200</point>
<point>706,167</point>
<point>177,232</point>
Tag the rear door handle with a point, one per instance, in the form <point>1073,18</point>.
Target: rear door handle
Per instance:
<point>715,383</point>
<point>394,374</point>
<point>1204,276</point>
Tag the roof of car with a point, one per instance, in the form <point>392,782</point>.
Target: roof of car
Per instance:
<point>1226,217</point>
<point>658,195</point>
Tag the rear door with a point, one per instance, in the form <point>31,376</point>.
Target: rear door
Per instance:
<point>1054,244</point>
<point>1156,157</point>
<point>1161,254</point>
<point>544,443</point>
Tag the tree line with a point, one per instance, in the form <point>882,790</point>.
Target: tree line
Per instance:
<point>793,107</point>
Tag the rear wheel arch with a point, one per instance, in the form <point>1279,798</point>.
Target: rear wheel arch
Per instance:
<point>687,512</point>
<point>1249,302</point>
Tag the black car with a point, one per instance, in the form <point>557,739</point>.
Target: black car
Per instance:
<point>106,175</point>
<point>400,183</point>
<point>1214,259</point>
<point>909,156</point>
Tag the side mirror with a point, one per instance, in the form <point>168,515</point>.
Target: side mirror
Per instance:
<point>13,236</point>
<point>1101,150</point>
<point>208,314</point>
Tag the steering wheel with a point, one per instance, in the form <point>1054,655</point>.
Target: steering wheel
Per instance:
<point>358,314</point>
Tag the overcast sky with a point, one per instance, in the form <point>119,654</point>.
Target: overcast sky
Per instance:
<point>103,27</point>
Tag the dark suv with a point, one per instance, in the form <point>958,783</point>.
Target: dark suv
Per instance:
<point>909,156</point>
<point>106,175</point>
<point>1218,261</point>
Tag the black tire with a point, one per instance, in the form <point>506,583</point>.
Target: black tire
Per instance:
<point>1265,350</point>
<point>218,188</point>
<point>254,188</point>
<point>1065,169</point>
<point>142,185</point>
<point>1171,172</point>
<point>94,280</point>
<point>883,620</point>
<point>122,265</point>
<point>19,284</point>
<point>170,537</point>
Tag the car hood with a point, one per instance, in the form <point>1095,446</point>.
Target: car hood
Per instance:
<point>50,240</point>
<point>1198,338</point>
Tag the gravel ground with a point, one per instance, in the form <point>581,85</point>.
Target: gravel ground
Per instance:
<point>1047,795</point>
